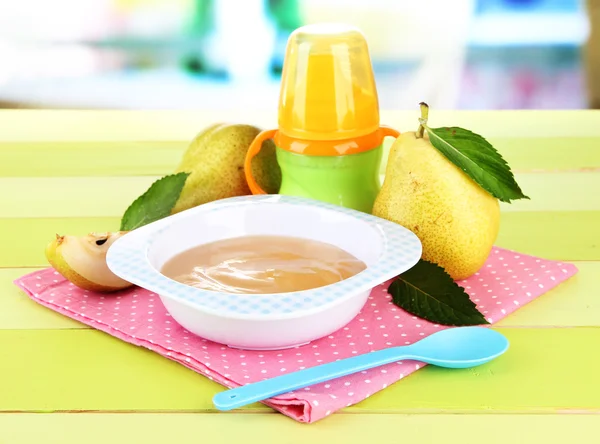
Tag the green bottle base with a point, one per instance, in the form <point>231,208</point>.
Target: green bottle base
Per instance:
<point>350,181</point>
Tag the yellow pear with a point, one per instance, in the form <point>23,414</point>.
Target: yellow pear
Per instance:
<point>82,261</point>
<point>215,161</point>
<point>456,220</point>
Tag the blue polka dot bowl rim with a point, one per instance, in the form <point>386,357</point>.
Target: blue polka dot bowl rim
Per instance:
<point>265,321</point>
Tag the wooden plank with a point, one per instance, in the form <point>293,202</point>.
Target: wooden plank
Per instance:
<point>549,153</point>
<point>557,192</point>
<point>70,196</point>
<point>56,159</point>
<point>90,370</point>
<point>534,154</point>
<point>546,234</point>
<point>574,303</point>
<point>227,428</point>
<point>119,125</point>
<point>567,236</point>
<point>130,158</point>
<point>110,196</point>
<point>24,240</point>
<point>169,125</point>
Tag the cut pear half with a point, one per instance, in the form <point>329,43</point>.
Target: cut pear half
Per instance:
<point>82,261</point>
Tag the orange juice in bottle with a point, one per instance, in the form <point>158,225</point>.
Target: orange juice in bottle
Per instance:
<point>329,139</point>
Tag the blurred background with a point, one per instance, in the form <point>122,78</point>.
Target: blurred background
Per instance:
<point>208,54</point>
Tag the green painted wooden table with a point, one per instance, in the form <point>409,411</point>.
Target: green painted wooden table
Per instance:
<point>61,382</point>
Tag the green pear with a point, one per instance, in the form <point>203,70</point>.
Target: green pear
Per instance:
<point>456,220</point>
<point>82,261</point>
<point>215,161</point>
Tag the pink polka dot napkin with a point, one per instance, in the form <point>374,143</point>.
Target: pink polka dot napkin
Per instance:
<point>506,282</point>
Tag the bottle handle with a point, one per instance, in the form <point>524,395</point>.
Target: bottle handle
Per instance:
<point>388,131</point>
<point>253,150</point>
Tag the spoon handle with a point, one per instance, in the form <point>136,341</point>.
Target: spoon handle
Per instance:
<point>258,391</point>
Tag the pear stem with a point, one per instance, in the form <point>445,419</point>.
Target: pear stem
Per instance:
<point>423,119</point>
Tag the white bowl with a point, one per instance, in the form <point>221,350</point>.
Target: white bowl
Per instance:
<point>269,321</point>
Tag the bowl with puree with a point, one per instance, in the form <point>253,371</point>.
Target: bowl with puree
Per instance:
<point>264,271</point>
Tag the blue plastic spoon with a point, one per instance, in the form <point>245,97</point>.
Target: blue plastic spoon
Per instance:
<point>459,347</point>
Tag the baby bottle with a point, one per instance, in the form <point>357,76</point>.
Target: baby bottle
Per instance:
<point>329,140</point>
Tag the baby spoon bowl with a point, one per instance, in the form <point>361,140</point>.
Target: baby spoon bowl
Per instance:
<point>265,321</point>
<point>459,347</point>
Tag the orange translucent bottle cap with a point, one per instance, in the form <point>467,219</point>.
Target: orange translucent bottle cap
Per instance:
<point>327,87</point>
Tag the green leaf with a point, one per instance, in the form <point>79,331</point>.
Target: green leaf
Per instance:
<point>428,292</point>
<point>478,159</point>
<point>156,203</point>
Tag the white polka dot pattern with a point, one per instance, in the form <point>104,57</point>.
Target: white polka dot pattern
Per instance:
<point>507,282</point>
